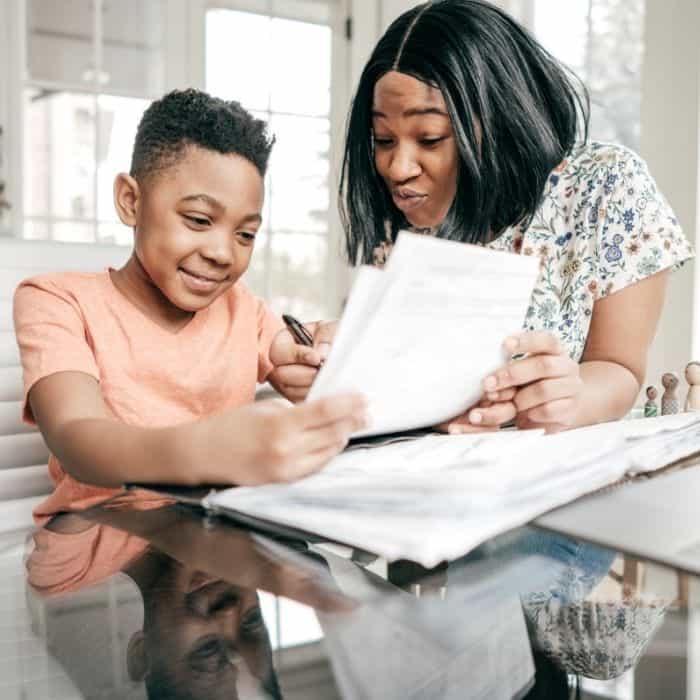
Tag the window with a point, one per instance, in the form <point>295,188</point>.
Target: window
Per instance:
<point>276,61</point>
<point>603,41</point>
<point>82,73</point>
<point>92,67</point>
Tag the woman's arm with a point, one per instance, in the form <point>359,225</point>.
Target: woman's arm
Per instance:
<point>257,443</point>
<point>554,392</point>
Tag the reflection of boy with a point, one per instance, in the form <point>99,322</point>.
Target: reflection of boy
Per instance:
<point>146,373</point>
<point>201,636</point>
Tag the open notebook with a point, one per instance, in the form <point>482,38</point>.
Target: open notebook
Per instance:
<point>438,497</point>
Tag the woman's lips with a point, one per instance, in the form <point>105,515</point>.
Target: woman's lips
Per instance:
<point>408,200</point>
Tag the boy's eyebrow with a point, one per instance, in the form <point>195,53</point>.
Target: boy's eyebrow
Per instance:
<point>216,204</point>
<point>207,199</point>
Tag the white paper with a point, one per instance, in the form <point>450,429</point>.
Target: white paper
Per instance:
<point>439,498</point>
<point>652,443</point>
<point>418,338</point>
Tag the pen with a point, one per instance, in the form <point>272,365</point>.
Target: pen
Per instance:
<point>301,335</point>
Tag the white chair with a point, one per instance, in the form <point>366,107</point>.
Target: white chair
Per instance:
<point>24,479</point>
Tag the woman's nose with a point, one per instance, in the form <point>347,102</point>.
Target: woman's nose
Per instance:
<point>404,165</point>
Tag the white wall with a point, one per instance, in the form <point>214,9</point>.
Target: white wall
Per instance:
<point>669,143</point>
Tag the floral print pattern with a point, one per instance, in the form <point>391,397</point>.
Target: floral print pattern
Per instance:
<point>602,225</point>
<point>594,639</point>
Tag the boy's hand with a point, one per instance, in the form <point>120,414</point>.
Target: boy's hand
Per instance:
<point>296,365</point>
<point>271,441</point>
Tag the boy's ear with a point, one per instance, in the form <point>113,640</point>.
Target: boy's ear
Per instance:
<point>126,198</point>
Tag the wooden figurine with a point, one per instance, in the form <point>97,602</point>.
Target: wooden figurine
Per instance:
<point>692,376</point>
<point>669,399</point>
<point>651,408</point>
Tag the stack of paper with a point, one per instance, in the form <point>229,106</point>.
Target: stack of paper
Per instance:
<point>419,337</point>
<point>654,443</point>
<point>440,496</point>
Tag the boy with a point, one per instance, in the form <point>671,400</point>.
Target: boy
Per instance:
<point>148,373</point>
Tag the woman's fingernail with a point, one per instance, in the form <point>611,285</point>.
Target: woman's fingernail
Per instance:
<point>490,383</point>
<point>454,429</point>
<point>324,349</point>
<point>475,417</point>
<point>492,395</point>
<point>511,344</point>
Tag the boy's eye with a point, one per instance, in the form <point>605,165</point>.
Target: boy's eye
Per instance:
<point>197,220</point>
<point>247,236</point>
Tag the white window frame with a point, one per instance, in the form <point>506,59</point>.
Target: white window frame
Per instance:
<point>337,274</point>
<point>184,58</point>
<point>13,14</point>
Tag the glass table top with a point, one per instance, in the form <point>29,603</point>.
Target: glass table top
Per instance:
<point>169,603</point>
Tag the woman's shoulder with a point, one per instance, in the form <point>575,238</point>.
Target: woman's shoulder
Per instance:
<point>598,157</point>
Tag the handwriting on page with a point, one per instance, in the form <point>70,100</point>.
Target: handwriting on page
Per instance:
<point>419,337</point>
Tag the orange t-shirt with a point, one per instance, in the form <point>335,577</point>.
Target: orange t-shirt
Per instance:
<point>148,376</point>
<point>60,563</point>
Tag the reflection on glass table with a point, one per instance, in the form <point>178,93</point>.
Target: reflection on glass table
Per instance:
<point>118,603</point>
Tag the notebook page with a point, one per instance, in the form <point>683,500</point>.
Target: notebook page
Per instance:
<point>452,495</point>
<point>436,332</point>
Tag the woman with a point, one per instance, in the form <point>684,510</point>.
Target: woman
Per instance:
<point>465,128</point>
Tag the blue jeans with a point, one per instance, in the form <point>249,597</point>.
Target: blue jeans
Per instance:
<point>576,567</point>
<point>545,565</point>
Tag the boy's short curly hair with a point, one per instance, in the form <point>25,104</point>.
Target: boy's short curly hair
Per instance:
<point>191,117</point>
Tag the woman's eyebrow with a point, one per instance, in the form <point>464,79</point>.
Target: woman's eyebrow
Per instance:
<point>415,111</point>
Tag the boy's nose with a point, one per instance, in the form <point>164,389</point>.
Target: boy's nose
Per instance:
<point>218,249</point>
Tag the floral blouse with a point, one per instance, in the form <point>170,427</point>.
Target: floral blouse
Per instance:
<point>602,226</point>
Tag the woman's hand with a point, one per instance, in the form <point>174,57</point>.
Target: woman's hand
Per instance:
<point>545,385</point>
<point>296,365</point>
<point>487,415</point>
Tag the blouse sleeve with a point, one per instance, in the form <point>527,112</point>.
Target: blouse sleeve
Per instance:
<point>638,233</point>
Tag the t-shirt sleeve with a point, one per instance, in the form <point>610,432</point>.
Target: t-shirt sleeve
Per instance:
<point>639,235</point>
<point>51,335</point>
<point>269,325</point>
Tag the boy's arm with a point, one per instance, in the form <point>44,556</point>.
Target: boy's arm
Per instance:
<point>257,443</point>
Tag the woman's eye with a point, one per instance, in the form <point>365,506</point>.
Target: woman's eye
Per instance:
<point>247,236</point>
<point>379,141</point>
<point>432,141</point>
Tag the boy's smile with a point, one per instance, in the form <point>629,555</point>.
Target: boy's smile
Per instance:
<point>194,231</point>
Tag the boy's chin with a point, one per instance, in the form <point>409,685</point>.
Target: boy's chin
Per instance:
<point>192,304</point>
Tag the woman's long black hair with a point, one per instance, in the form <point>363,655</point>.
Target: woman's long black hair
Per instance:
<point>516,113</point>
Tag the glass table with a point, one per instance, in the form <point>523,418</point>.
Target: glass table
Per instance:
<point>169,603</point>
